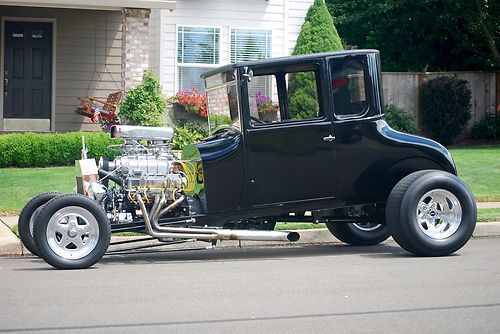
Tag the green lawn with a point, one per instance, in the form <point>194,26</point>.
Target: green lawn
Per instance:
<point>488,215</point>
<point>478,167</point>
<point>18,185</point>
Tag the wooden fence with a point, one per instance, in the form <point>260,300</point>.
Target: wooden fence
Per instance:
<point>403,90</point>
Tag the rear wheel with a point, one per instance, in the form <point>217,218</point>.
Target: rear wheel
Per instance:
<point>431,214</point>
<point>359,234</point>
<point>27,219</point>
<point>72,232</point>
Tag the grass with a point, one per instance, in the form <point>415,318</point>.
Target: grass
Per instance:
<point>18,185</point>
<point>297,226</point>
<point>488,215</point>
<point>479,167</point>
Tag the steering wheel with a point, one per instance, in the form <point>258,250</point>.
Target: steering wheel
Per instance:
<point>222,131</point>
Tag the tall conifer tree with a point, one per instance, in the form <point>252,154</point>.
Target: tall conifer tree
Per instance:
<point>318,34</point>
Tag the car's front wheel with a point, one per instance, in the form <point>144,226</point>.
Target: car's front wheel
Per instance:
<point>359,234</point>
<point>431,214</point>
<point>72,232</point>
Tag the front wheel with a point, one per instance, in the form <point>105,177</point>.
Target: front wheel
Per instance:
<point>431,214</point>
<point>72,232</point>
<point>359,234</point>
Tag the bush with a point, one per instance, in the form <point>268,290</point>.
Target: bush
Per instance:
<point>144,104</point>
<point>399,120</point>
<point>446,108</point>
<point>187,134</point>
<point>487,128</point>
<point>318,34</point>
<point>51,149</point>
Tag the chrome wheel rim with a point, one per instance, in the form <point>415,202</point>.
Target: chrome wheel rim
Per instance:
<point>368,227</point>
<point>72,232</point>
<point>439,214</point>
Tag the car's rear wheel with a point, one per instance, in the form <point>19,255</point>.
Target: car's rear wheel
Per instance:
<point>359,234</point>
<point>72,232</point>
<point>431,214</point>
<point>27,219</point>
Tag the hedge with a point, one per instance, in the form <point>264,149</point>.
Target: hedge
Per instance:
<point>52,149</point>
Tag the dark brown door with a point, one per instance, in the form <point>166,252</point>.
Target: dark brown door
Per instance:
<point>28,70</point>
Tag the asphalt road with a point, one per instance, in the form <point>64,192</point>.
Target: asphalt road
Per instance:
<point>311,289</point>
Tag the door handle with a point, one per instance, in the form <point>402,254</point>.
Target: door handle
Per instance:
<point>329,138</point>
<point>5,84</point>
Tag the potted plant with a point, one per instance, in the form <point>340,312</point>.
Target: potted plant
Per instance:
<point>268,111</point>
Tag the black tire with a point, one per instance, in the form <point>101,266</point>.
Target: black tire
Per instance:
<point>359,234</point>
<point>27,219</point>
<point>72,244</point>
<point>416,233</point>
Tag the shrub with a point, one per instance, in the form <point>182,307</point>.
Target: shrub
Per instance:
<point>187,134</point>
<point>487,128</point>
<point>399,120</point>
<point>318,34</point>
<point>144,104</point>
<point>446,108</point>
<point>51,149</point>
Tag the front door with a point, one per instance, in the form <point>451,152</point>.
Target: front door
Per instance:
<point>27,82</point>
<point>289,144</point>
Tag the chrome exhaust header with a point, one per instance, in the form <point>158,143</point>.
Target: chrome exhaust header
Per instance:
<point>157,231</point>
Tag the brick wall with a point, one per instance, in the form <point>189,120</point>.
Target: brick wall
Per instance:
<point>135,45</point>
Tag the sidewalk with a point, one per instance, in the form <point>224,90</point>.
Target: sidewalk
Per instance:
<point>11,245</point>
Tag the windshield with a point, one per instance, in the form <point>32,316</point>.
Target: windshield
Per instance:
<point>222,100</point>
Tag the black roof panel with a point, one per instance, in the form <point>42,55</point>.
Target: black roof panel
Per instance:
<point>288,59</point>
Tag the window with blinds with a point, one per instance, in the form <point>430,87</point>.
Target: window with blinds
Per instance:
<point>198,50</point>
<point>250,44</point>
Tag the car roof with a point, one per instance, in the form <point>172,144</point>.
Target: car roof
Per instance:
<point>285,60</point>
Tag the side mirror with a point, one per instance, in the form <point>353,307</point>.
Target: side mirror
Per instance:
<point>247,74</point>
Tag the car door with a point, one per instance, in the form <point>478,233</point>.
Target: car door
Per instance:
<point>290,156</point>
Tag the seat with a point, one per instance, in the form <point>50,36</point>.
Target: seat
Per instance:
<point>88,106</point>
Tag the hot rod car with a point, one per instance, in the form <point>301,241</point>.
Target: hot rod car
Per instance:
<point>306,140</point>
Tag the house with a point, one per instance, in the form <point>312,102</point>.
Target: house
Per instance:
<point>54,51</point>
<point>95,47</point>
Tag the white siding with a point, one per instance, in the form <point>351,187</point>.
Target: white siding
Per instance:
<point>280,16</point>
<point>296,12</point>
<point>88,58</point>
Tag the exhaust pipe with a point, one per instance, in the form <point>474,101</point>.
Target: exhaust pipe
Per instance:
<point>157,231</point>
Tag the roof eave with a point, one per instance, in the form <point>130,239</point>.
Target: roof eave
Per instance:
<point>94,4</point>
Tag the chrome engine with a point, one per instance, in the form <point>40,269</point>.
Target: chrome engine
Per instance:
<point>145,165</point>
<point>152,167</point>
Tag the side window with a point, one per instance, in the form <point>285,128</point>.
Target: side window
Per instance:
<point>284,97</point>
<point>263,100</point>
<point>350,93</point>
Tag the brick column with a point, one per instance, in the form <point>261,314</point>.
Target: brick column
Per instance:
<point>135,45</point>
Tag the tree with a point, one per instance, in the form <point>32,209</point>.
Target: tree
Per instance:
<point>318,34</point>
<point>419,35</point>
